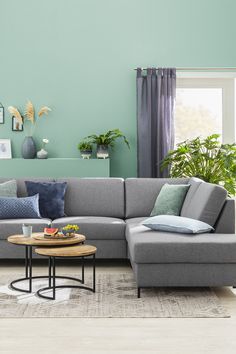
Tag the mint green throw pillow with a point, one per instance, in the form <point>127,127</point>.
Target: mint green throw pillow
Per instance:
<point>8,189</point>
<point>170,199</point>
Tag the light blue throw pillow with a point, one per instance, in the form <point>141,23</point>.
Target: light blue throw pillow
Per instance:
<point>170,199</point>
<point>179,224</point>
<point>19,208</point>
<point>8,189</point>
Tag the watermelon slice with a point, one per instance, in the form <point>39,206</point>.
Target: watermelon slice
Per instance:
<point>50,231</point>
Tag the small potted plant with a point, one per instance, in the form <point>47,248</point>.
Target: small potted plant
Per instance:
<point>106,140</point>
<point>70,230</point>
<point>85,148</point>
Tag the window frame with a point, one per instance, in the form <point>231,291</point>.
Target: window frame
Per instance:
<point>228,100</point>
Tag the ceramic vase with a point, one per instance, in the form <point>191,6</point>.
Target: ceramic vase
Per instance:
<point>28,148</point>
<point>42,154</point>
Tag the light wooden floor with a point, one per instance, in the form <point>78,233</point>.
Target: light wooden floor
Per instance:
<point>110,335</point>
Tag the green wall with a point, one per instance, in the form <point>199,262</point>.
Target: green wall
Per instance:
<point>77,56</point>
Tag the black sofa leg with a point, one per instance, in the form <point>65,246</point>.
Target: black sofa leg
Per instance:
<point>139,293</point>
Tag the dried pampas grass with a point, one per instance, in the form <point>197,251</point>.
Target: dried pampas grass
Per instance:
<point>29,111</point>
<point>44,110</point>
<point>29,114</point>
<point>15,113</point>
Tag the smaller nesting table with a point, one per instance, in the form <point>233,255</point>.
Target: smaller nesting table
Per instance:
<point>79,251</point>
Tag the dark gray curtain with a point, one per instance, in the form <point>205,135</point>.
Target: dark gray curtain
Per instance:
<point>155,113</point>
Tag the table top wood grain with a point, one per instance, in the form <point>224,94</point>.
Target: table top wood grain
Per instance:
<point>41,241</point>
<point>69,251</point>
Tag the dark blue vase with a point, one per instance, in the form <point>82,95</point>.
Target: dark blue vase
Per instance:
<point>28,149</point>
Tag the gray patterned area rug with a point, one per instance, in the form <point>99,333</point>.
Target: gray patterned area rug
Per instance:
<point>116,296</point>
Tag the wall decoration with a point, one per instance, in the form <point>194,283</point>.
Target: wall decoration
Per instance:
<point>16,125</point>
<point>5,149</point>
<point>1,114</point>
<point>28,149</point>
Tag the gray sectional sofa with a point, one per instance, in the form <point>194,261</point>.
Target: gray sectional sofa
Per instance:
<point>110,212</point>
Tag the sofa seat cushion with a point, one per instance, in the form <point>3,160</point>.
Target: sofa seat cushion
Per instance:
<point>95,227</point>
<point>147,246</point>
<point>10,227</point>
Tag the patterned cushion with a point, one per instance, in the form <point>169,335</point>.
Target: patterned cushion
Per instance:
<point>51,197</point>
<point>8,189</point>
<point>16,208</point>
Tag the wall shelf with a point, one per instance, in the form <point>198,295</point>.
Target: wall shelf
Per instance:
<point>54,167</point>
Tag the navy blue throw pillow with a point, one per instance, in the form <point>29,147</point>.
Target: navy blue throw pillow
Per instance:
<point>51,197</point>
<point>19,208</point>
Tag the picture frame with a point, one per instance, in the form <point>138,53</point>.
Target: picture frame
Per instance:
<point>1,114</point>
<point>16,125</point>
<point>5,149</point>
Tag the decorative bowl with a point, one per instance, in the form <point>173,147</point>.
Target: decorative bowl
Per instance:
<point>69,232</point>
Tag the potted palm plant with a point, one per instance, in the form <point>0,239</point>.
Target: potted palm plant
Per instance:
<point>207,159</point>
<point>85,148</point>
<point>106,140</point>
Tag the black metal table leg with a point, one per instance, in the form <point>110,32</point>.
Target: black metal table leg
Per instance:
<point>49,271</point>
<point>82,270</point>
<point>53,286</point>
<point>29,276</point>
<point>26,262</point>
<point>94,273</point>
<point>28,272</point>
<point>54,278</point>
<point>30,269</point>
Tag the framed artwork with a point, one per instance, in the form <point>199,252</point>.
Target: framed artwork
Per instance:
<point>5,149</point>
<point>16,125</point>
<point>1,114</point>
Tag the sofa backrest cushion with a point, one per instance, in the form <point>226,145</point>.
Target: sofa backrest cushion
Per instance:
<point>226,221</point>
<point>94,197</point>
<point>141,194</point>
<point>205,203</point>
<point>194,184</point>
<point>21,187</point>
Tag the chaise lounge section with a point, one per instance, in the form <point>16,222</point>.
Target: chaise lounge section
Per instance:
<point>172,259</point>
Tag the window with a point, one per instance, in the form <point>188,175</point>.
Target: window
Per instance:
<point>204,107</point>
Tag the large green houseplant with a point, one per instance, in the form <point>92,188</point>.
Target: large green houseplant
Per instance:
<point>207,159</point>
<point>103,141</point>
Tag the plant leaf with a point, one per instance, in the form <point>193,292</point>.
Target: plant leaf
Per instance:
<point>44,110</point>
<point>29,111</point>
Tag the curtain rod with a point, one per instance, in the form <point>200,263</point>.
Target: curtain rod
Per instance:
<point>199,69</point>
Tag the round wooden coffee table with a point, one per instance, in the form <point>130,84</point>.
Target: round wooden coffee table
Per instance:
<point>36,240</point>
<point>78,251</point>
